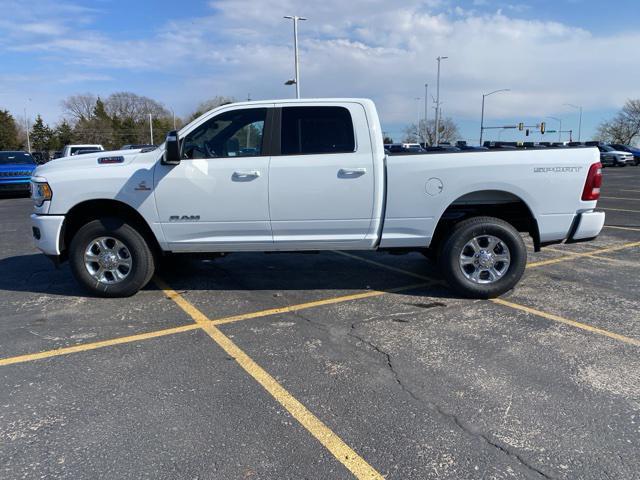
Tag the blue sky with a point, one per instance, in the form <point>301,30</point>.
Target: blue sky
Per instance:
<point>548,53</point>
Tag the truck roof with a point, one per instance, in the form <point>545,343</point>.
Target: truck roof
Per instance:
<point>304,100</point>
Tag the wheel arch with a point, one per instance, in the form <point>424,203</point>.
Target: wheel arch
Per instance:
<point>498,203</point>
<point>89,210</point>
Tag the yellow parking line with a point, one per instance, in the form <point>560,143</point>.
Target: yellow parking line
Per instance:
<point>388,267</point>
<point>566,321</point>
<point>549,316</point>
<point>332,442</point>
<point>623,228</point>
<point>317,303</point>
<point>573,256</point>
<point>590,255</point>
<point>619,198</point>
<point>92,346</point>
<point>195,314</point>
<point>569,256</point>
<point>618,209</point>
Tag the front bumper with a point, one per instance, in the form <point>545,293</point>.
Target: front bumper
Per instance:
<point>46,231</point>
<point>21,187</point>
<point>587,226</point>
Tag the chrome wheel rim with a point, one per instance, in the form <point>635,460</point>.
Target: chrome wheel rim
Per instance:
<point>485,259</point>
<point>108,260</point>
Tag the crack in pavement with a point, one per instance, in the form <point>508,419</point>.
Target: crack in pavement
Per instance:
<point>465,427</point>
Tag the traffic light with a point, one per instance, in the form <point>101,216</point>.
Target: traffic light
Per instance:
<point>521,126</point>
<point>527,132</point>
<point>542,128</point>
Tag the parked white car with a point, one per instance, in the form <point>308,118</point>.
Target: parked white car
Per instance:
<point>72,150</point>
<point>294,175</point>
<point>610,156</point>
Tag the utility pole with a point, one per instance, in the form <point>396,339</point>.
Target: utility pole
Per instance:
<point>151,128</point>
<point>437,134</point>
<point>484,95</point>
<point>296,80</point>
<point>578,107</point>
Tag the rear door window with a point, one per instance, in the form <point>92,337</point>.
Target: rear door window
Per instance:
<point>316,130</point>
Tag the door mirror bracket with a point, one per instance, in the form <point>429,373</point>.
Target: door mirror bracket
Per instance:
<point>171,154</point>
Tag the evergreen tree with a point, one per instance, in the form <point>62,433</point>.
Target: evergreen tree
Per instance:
<point>99,111</point>
<point>8,131</point>
<point>41,136</point>
<point>98,129</point>
<point>63,135</point>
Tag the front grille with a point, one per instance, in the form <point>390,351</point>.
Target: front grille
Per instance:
<point>21,173</point>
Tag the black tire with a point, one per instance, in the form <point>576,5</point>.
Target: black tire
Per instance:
<point>464,232</point>
<point>142,258</point>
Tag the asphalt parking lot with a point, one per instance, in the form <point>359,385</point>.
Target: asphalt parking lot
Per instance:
<point>329,365</point>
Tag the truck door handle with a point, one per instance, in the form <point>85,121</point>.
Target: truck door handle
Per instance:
<point>249,175</point>
<point>351,172</point>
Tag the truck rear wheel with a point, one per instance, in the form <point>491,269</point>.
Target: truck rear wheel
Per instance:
<point>483,257</point>
<point>110,258</point>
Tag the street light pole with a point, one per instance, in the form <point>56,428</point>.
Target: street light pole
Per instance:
<point>484,95</point>
<point>419,119</point>
<point>151,128</point>
<point>426,113</point>
<point>437,133</point>
<point>560,129</point>
<point>578,107</point>
<point>26,127</point>
<point>295,19</point>
<point>173,114</point>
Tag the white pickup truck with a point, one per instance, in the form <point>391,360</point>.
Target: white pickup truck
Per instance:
<point>295,175</point>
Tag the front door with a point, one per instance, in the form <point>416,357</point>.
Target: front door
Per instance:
<point>321,186</point>
<point>216,199</point>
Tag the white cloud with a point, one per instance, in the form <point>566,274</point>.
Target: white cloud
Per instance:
<point>379,49</point>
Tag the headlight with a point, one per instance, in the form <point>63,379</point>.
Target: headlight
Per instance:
<point>40,193</point>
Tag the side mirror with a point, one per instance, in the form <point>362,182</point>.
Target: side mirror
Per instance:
<point>171,149</point>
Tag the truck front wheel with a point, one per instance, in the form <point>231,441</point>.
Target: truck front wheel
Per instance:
<point>483,257</point>
<point>110,258</point>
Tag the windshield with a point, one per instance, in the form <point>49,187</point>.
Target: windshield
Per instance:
<point>22,158</point>
<point>606,148</point>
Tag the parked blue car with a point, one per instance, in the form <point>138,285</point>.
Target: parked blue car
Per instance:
<point>15,172</point>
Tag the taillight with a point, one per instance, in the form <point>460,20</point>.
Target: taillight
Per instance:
<point>594,181</point>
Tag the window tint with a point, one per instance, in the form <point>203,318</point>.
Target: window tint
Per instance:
<point>316,130</point>
<point>237,133</point>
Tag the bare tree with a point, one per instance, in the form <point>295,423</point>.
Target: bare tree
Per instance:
<point>80,107</point>
<point>128,105</point>
<point>210,104</point>
<point>624,127</point>
<point>425,133</point>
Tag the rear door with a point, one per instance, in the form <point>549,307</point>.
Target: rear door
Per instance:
<point>321,184</point>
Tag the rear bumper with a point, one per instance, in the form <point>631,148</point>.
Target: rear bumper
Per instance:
<point>587,226</point>
<point>46,230</point>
